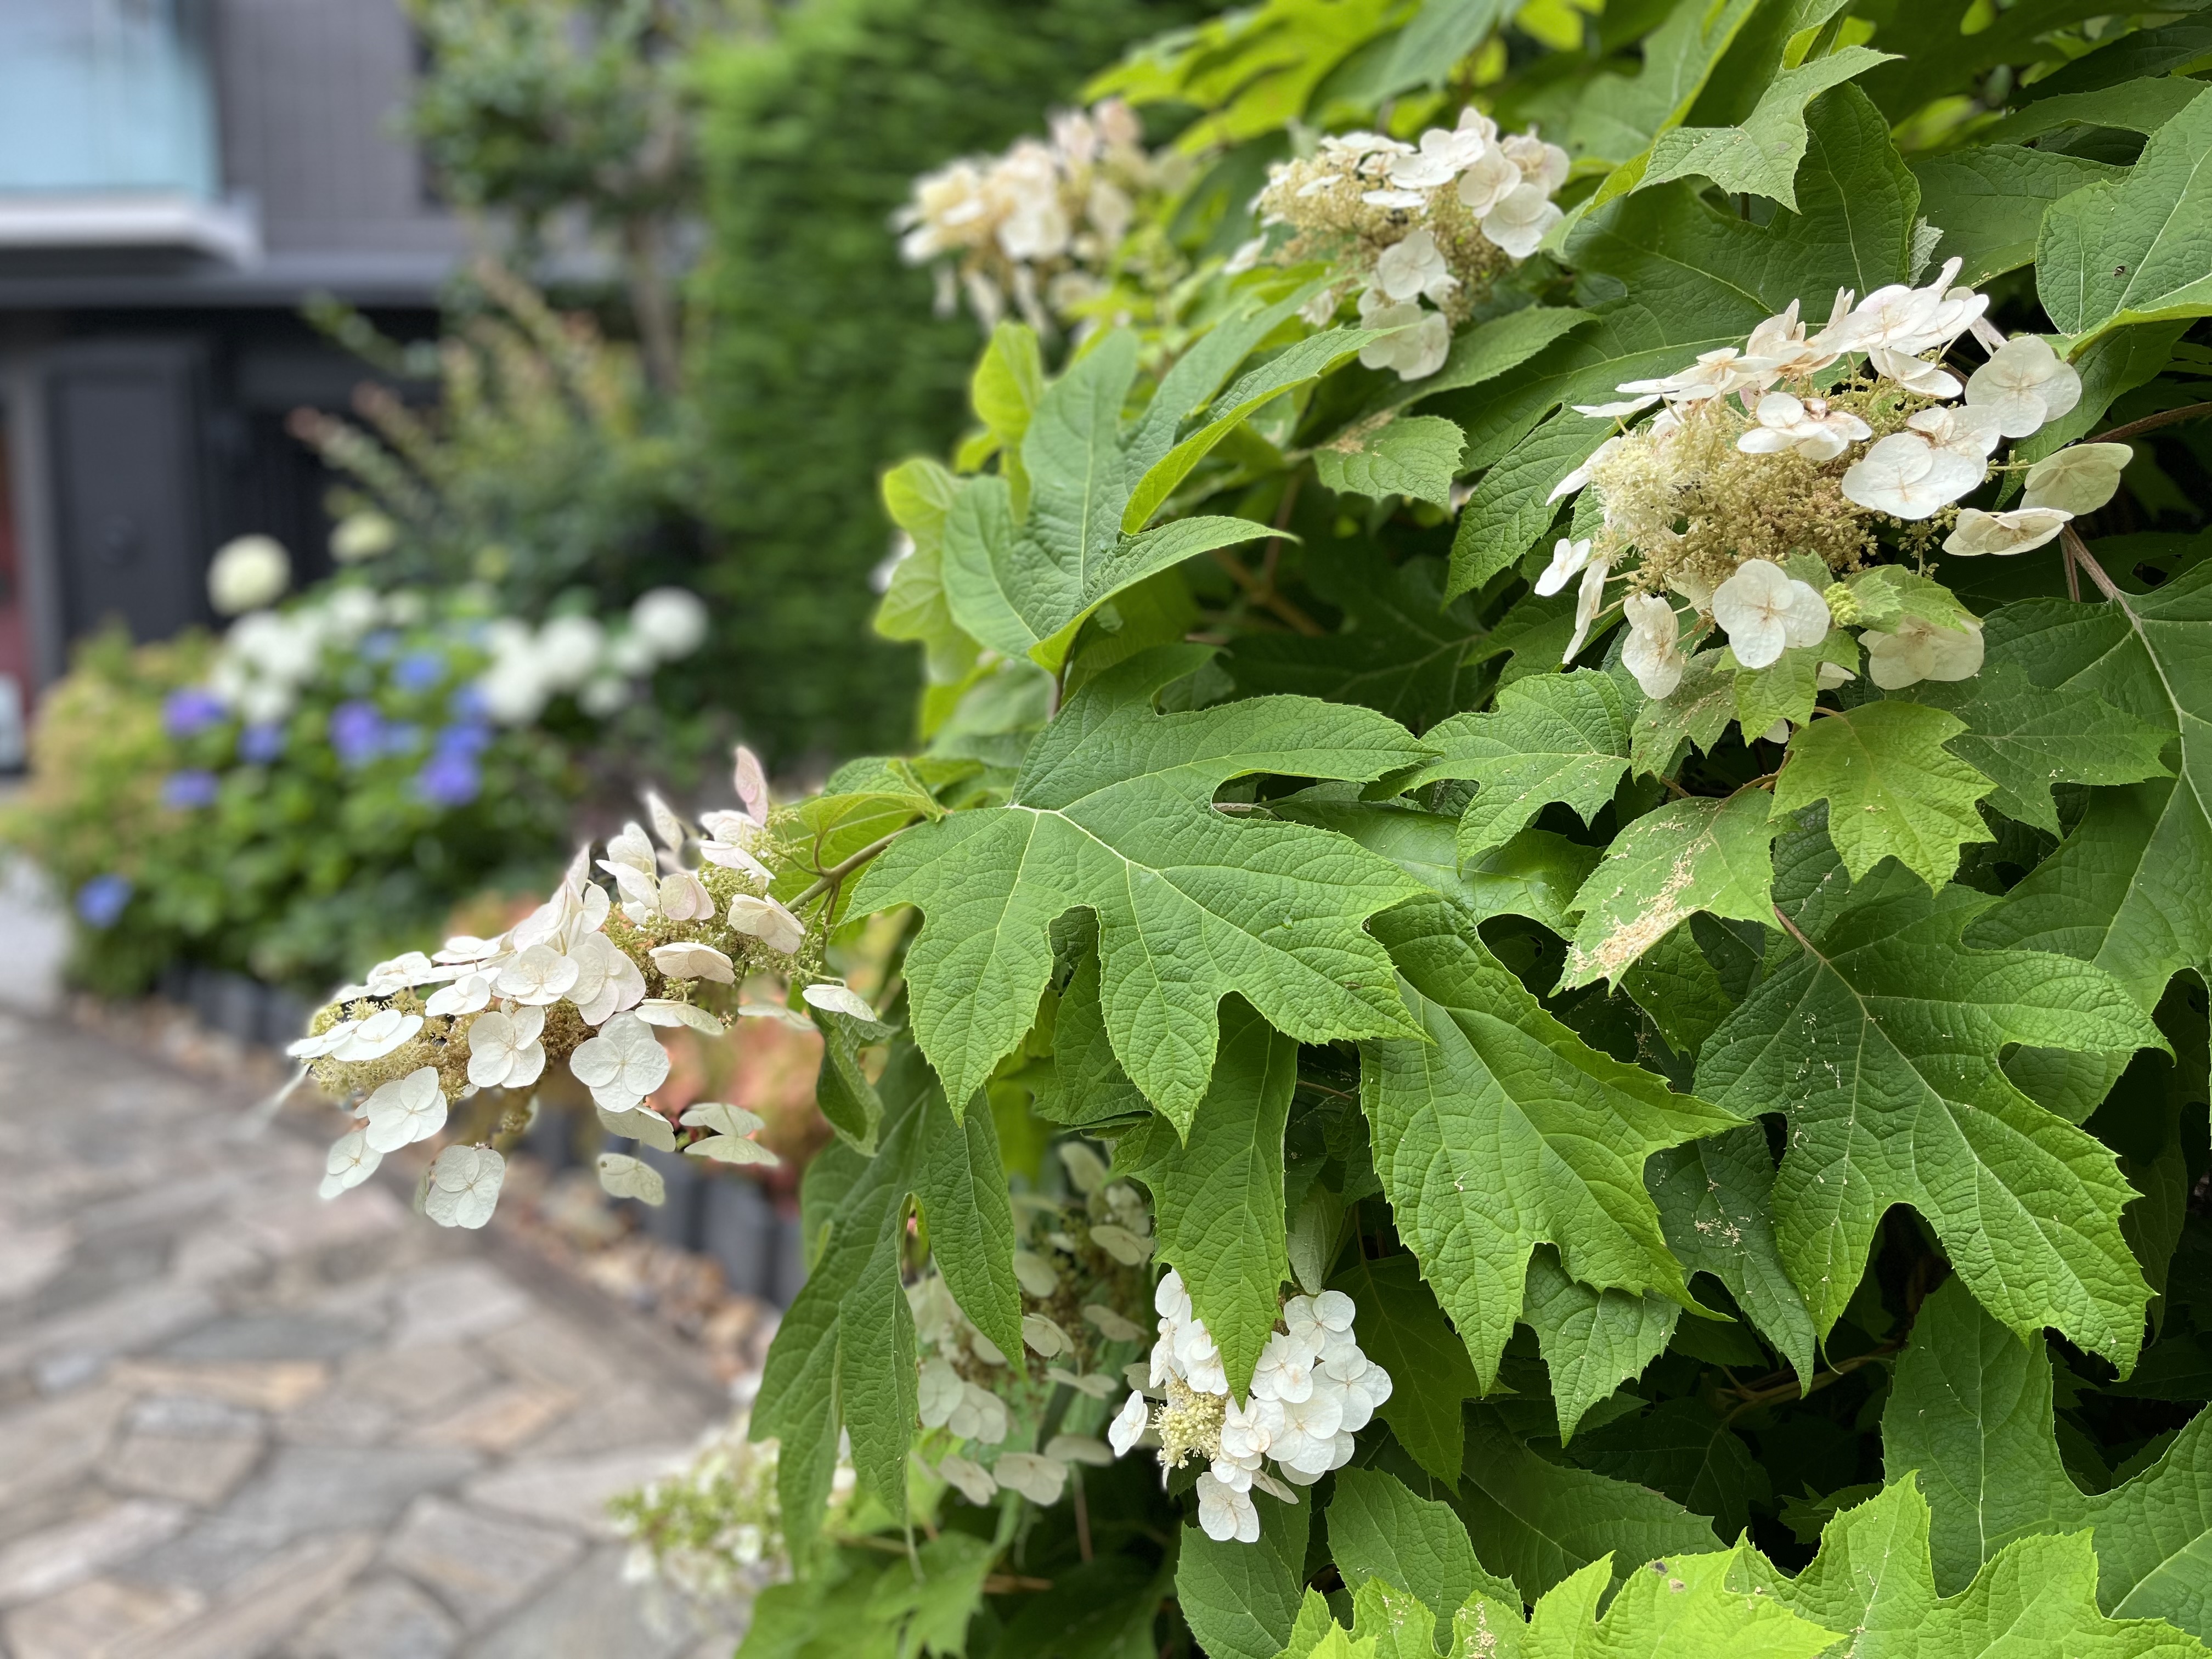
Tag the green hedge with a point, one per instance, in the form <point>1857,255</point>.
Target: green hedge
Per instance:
<point>811,141</point>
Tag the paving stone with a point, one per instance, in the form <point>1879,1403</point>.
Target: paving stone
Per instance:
<point>339,1417</point>
<point>214,1255</point>
<point>130,1320</point>
<point>450,1303</point>
<point>590,1614</point>
<point>306,1488</point>
<point>274,1386</point>
<point>52,1560</point>
<point>189,1415</point>
<point>90,1621</point>
<point>637,1413</point>
<point>53,1443</point>
<point>197,1469</point>
<point>30,1256</point>
<point>418,1382</point>
<point>573,1491</point>
<point>301,1224</point>
<point>264,1606</point>
<point>480,1565</point>
<point>549,1349</point>
<point>271,1336</point>
<point>497,1421</point>
<point>382,1619</point>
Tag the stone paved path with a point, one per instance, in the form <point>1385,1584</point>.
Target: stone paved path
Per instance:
<point>238,1422</point>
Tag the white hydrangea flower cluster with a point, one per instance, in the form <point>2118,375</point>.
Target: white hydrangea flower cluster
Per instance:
<point>602,666</point>
<point>1312,1391</point>
<point>269,658</point>
<point>570,982</point>
<point>1420,231</point>
<point>1079,1264</point>
<point>1037,224</point>
<point>1762,459</point>
<point>714,1531</point>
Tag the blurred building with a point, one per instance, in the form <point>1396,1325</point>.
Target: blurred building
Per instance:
<point>176,176</point>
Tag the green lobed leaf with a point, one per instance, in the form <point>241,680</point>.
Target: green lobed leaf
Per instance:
<point>2037,1599</point>
<point>1761,155</point>
<point>1112,812</point>
<point>1714,1197</point>
<point>1592,1342</point>
<point>1971,1411</point>
<point>1406,1332</point>
<point>1697,713</point>
<point>843,1358</point>
<point>1512,504</point>
<point>1504,1130</point>
<point>918,494</point>
<point>1892,789</point>
<point>1242,1600</point>
<point>1410,455</point>
<point>2140,106</point>
<point>2126,890</point>
<point>1536,874</point>
<point>1551,738</point>
<point>1688,856</point>
<point>1217,1193</point>
<point>2137,249</point>
<point>1379,1529</point>
<point>1686,1449</point>
<point>2025,739</point>
<point>1401,649</point>
<point>1538,1522</point>
<point>1989,201</point>
<point>1878,1038</point>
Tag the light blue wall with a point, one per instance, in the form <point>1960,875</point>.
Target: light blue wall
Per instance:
<point>106,95</point>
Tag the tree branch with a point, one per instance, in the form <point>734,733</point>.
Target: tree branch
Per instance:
<point>2152,422</point>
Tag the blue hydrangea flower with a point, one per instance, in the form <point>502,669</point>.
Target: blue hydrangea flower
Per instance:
<point>356,732</point>
<point>194,787</point>
<point>466,740</point>
<point>469,703</point>
<point>449,780</point>
<point>100,900</point>
<point>260,743</point>
<point>419,671</point>
<point>190,711</point>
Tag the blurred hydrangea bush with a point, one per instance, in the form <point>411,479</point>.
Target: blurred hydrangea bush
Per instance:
<point>327,777</point>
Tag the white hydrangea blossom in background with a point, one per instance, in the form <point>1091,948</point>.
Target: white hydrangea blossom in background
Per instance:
<point>1419,232</point>
<point>1039,225</point>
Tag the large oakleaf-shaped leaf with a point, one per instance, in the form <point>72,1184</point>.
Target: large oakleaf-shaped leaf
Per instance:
<point>1113,811</point>
<point>1878,1035</point>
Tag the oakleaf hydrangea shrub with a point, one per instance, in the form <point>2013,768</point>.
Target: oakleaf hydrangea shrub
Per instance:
<point>1551,920</point>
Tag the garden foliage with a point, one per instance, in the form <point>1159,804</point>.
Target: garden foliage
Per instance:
<point>1555,922</point>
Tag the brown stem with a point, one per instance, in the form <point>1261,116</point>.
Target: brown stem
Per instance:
<point>1264,595</point>
<point>2078,552</point>
<point>1082,1519</point>
<point>2073,572</point>
<point>1792,1389</point>
<point>1003,1584</point>
<point>2152,422</point>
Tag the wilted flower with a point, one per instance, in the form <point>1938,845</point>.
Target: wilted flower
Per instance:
<point>1978,532</point>
<point>1917,650</point>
